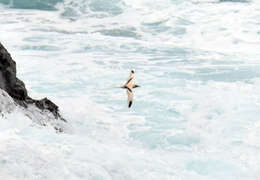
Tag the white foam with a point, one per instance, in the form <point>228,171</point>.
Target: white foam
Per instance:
<point>194,117</point>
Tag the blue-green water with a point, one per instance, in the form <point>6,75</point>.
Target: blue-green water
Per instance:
<point>195,116</point>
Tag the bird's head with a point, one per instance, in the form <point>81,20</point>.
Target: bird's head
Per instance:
<point>132,71</point>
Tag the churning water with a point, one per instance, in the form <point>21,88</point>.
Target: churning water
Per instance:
<point>196,115</point>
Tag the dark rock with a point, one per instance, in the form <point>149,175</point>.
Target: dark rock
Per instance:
<point>16,88</point>
<point>46,104</point>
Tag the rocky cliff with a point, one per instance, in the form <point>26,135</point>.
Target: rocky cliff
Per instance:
<point>16,89</point>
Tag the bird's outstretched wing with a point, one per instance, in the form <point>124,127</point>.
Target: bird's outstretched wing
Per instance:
<point>130,95</point>
<point>130,79</point>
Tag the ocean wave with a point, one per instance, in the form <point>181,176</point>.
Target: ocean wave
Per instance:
<point>92,8</point>
<point>197,63</point>
<point>76,7</point>
<point>8,109</point>
<point>32,4</point>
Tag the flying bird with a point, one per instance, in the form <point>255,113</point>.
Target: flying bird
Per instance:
<point>129,85</point>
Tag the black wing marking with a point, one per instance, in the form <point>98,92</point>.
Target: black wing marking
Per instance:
<point>128,89</point>
<point>130,97</point>
<point>128,81</point>
<point>130,103</point>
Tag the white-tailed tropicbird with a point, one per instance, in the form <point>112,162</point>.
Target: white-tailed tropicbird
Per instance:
<point>129,85</point>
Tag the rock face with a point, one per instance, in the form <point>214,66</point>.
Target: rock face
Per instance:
<point>16,88</point>
<point>8,80</point>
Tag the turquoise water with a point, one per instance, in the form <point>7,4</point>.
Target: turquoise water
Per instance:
<point>196,115</point>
